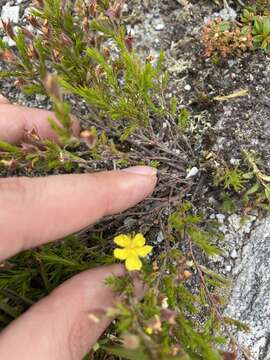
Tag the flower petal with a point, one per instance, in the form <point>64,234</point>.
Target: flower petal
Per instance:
<point>138,240</point>
<point>133,263</point>
<point>121,254</point>
<point>144,251</point>
<point>123,240</point>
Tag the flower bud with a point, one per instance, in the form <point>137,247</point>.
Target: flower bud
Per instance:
<point>106,53</point>
<point>85,24</point>
<point>9,56</point>
<point>92,41</point>
<point>129,42</point>
<point>89,137</point>
<point>39,4</point>
<point>32,52</point>
<point>66,39</point>
<point>92,7</point>
<point>169,316</point>
<point>27,33</point>
<point>8,27</point>
<point>99,71</point>
<point>46,29</point>
<point>19,83</point>
<point>114,12</point>
<point>56,55</point>
<point>51,85</point>
<point>33,21</point>
<point>149,59</point>
<point>130,341</point>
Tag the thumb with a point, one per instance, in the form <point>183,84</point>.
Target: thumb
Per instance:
<point>65,325</point>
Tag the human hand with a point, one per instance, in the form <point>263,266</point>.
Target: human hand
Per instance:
<point>35,211</point>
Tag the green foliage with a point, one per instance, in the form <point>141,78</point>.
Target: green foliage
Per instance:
<point>250,187</point>
<point>185,222</point>
<point>46,158</point>
<point>166,310</point>
<point>29,276</point>
<point>72,42</point>
<point>233,179</point>
<point>85,51</point>
<point>183,119</point>
<point>223,38</point>
<point>260,184</point>
<point>261,32</point>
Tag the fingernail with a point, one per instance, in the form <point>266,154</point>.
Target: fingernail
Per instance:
<point>141,170</point>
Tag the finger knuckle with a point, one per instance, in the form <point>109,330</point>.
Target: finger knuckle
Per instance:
<point>13,187</point>
<point>16,194</point>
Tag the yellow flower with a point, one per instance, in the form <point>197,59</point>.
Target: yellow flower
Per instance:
<point>132,250</point>
<point>148,330</point>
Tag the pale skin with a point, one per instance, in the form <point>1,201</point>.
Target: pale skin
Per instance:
<point>39,210</point>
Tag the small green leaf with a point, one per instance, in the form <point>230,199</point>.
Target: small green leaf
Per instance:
<point>266,26</point>
<point>267,193</point>
<point>225,26</point>
<point>265,177</point>
<point>257,26</point>
<point>5,146</point>
<point>253,189</point>
<point>183,119</point>
<point>248,176</point>
<point>258,39</point>
<point>264,45</point>
<point>173,104</point>
<point>127,354</point>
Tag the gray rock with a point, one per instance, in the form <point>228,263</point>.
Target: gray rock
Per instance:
<point>220,218</point>
<point>228,14</point>
<point>192,172</point>
<point>250,300</point>
<point>10,13</point>
<point>235,222</point>
<point>9,41</point>
<point>40,97</point>
<point>160,237</point>
<point>158,24</point>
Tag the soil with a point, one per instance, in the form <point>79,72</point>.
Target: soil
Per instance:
<point>223,128</point>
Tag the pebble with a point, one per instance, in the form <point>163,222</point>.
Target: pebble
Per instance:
<point>220,218</point>
<point>234,161</point>
<point>232,62</point>
<point>160,237</point>
<point>192,172</point>
<point>228,268</point>
<point>158,24</point>
<point>9,41</point>
<point>234,254</point>
<point>41,98</point>
<point>228,14</point>
<point>235,222</point>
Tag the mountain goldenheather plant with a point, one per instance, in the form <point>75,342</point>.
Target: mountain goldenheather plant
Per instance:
<point>80,50</point>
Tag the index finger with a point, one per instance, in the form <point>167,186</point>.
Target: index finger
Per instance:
<point>38,210</point>
<point>15,120</point>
